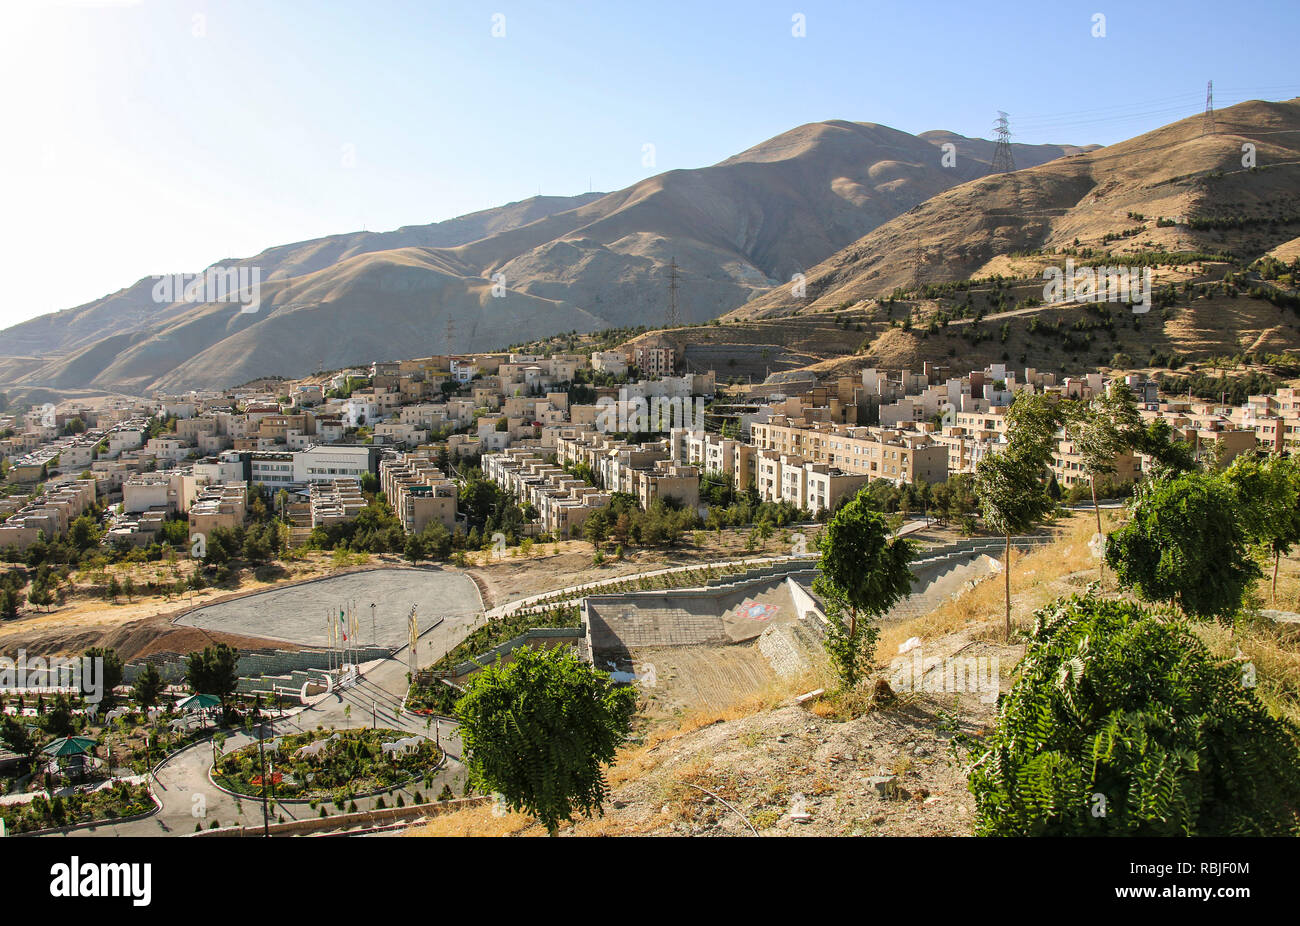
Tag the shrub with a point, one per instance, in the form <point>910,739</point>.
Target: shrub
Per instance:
<point>1122,724</point>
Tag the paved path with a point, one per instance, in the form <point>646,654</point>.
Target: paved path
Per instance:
<point>188,797</point>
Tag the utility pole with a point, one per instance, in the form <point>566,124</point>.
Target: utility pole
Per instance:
<point>1003,161</point>
<point>374,637</point>
<point>674,315</point>
<point>266,813</point>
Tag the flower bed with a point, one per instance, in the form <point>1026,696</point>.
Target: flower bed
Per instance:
<point>121,800</point>
<point>324,764</point>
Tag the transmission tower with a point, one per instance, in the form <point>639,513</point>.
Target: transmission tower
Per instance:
<point>1207,127</point>
<point>451,333</point>
<point>674,315</point>
<point>1003,162</point>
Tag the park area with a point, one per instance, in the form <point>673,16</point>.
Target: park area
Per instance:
<point>328,765</point>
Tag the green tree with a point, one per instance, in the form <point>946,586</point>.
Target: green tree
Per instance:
<point>1184,543</point>
<point>864,573</point>
<point>1121,723</point>
<point>111,671</point>
<point>1102,429</point>
<point>1268,493</point>
<point>1169,455</point>
<point>40,594</point>
<point>413,549</point>
<point>148,686</point>
<point>539,730</point>
<point>596,528</point>
<point>1011,482</point>
<point>213,671</point>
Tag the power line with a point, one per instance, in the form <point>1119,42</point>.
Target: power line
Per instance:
<point>1003,161</point>
<point>674,315</point>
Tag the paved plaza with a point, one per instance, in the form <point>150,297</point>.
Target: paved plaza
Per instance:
<point>297,613</point>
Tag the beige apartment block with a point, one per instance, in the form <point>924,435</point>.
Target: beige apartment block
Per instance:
<point>419,492</point>
<point>334,502</point>
<point>223,505</point>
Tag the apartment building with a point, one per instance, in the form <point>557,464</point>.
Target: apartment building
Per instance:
<point>655,359</point>
<point>143,491</point>
<point>49,515</point>
<point>563,502</point>
<point>613,362</point>
<point>336,501</point>
<point>418,491</point>
<point>903,457</point>
<point>224,505</point>
<point>1068,467</point>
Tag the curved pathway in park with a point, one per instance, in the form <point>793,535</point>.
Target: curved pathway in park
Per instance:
<point>189,798</point>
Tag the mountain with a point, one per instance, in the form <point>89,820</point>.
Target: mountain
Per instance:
<point>735,230</point>
<point>1111,200</point>
<point>959,279</point>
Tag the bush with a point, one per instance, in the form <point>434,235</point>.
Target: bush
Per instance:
<point>1120,724</point>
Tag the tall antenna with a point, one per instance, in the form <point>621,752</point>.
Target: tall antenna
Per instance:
<point>1207,127</point>
<point>674,315</point>
<point>1003,162</point>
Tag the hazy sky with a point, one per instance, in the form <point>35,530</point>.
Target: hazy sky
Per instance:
<point>157,136</point>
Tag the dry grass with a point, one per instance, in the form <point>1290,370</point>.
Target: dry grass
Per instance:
<point>1273,653</point>
<point>474,821</point>
<point>1033,575</point>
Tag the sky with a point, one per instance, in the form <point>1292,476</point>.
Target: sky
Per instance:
<point>159,136</point>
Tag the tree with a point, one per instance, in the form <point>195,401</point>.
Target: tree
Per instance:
<point>110,671</point>
<point>538,731</point>
<point>57,721</point>
<point>1185,544</point>
<point>39,595</point>
<point>1122,723</point>
<point>1101,430</point>
<point>437,541</point>
<point>1169,455</point>
<point>213,671</point>
<point>1268,493</point>
<point>148,686</point>
<point>413,549</point>
<point>1010,482</point>
<point>596,528</point>
<point>864,573</point>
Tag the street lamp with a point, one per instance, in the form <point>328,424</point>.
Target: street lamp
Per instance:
<point>374,637</point>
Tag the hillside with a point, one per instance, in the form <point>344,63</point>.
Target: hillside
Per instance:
<point>1172,200</point>
<point>583,263</point>
<point>1110,200</point>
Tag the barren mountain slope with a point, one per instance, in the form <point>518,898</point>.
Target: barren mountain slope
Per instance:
<point>1175,172</point>
<point>734,229</point>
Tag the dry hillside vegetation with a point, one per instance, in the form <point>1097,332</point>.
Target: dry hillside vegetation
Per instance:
<point>859,766</point>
